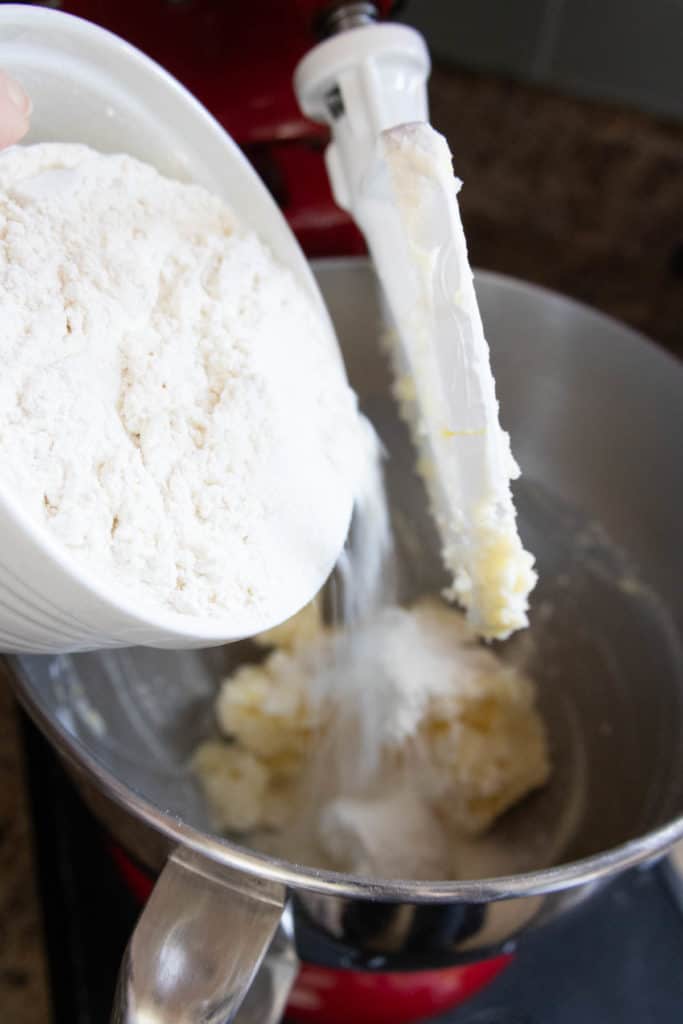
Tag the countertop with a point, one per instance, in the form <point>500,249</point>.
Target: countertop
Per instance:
<point>23,975</point>
<point>581,197</point>
<point>584,198</point>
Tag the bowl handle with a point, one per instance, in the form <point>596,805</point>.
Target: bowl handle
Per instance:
<point>198,945</point>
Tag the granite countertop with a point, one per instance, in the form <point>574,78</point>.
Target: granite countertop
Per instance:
<point>581,197</point>
<point>585,198</point>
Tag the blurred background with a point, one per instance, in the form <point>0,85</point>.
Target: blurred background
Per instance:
<point>565,118</point>
<point>623,50</point>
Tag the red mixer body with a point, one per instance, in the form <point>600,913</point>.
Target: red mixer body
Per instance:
<point>326,995</point>
<point>238,59</point>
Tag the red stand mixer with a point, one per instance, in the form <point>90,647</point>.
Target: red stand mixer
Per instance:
<point>242,72</point>
<point>240,66</point>
<point>241,69</point>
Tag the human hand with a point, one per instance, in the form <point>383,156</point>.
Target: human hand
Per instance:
<point>15,110</point>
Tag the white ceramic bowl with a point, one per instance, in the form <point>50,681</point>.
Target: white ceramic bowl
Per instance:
<point>89,86</point>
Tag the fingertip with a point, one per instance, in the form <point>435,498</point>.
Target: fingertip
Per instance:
<point>15,110</point>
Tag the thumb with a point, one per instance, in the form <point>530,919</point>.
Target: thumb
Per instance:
<point>15,110</point>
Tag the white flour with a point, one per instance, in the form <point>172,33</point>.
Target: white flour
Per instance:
<point>172,405</point>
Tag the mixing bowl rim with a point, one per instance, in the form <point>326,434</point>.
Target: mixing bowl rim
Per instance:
<point>509,281</point>
<point>231,855</point>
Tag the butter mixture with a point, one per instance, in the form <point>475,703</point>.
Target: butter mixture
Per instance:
<point>379,750</point>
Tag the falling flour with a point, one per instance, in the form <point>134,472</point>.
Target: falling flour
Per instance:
<point>173,409</point>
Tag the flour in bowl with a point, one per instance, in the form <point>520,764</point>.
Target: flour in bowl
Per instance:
<point>173,409</point>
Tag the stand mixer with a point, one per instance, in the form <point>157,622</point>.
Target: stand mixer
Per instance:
<point>604,648</point>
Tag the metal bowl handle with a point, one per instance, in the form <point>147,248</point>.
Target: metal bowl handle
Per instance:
<point>198,946</point>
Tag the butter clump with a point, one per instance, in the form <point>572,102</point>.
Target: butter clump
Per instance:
<point>407,726</point>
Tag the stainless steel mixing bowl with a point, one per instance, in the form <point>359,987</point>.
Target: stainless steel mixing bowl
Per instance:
<point>596,417</point>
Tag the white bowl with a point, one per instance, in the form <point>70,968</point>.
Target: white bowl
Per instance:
<point>89,86</point>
